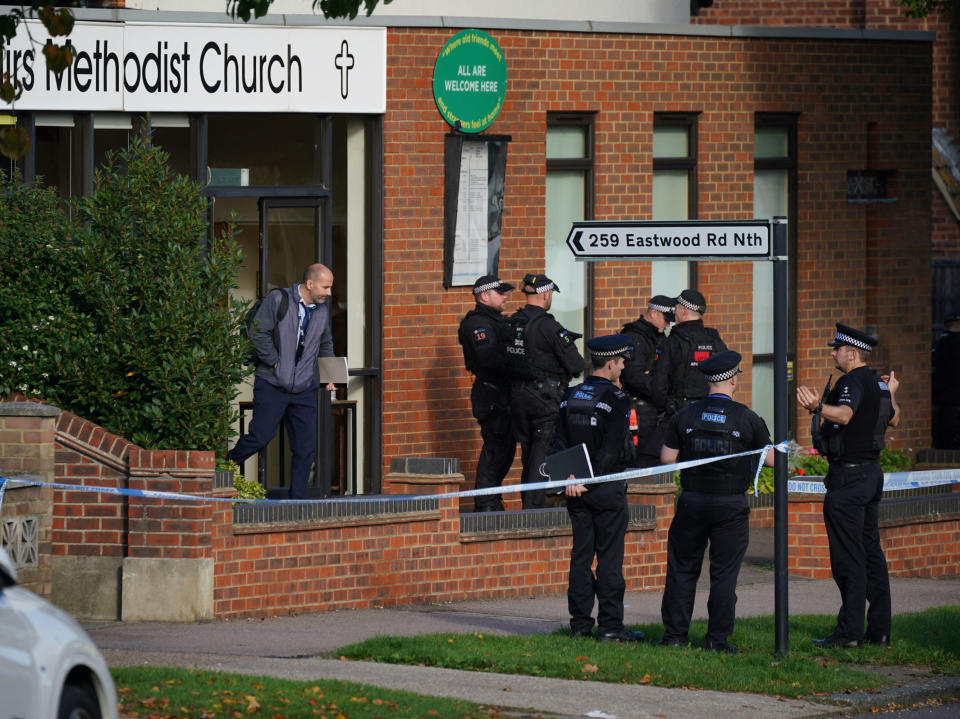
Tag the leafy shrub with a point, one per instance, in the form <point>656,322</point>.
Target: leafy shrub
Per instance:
<point>167,352</point>
<point>803,462</point>
<point>39,288</point>
<point>246,488</point>
<point>124,316</point>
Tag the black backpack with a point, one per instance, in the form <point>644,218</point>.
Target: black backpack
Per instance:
<point>250,317</point>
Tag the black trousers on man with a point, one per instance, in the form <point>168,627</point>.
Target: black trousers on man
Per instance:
<point>599,521</point>
<point>491,408</point>
<point>724,521</point>
<point>534,408</point>
<point>850,513</point>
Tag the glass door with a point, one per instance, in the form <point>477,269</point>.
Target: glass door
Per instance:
<point>291,238</point>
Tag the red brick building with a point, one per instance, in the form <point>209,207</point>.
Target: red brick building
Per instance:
<point>643,113</point>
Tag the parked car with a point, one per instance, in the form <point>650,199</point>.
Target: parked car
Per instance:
<point>49,667</point>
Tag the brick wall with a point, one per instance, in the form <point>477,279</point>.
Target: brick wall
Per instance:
<point>924,547</point>
<point>872,15</point>
<point>26,448</point>
<point>403,559</point>
<point>856,263</point>
<point>92,524</point>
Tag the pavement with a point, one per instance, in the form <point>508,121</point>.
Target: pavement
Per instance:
<point>296,647</point>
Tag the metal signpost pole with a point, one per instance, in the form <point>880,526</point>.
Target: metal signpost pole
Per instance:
<point>781,387</point>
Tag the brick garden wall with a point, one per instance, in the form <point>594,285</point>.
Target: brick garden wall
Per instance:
<point>860,104</point>
<point>920,547</point>
<point>409,558</point>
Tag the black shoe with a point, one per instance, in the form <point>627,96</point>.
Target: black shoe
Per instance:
<point>574,634</point>
<point>834,641</point>
<point>881,641</point>
<point>672,643</point>
<point>720,647</point>
<point>623,635</point>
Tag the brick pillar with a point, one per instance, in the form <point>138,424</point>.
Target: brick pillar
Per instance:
<point>807,545</point>
<point>428,475</point>
<point>27,433</point>
<point>168,571</point>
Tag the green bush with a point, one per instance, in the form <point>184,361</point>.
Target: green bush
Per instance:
<point>246,488</point>
<point>129,323</point>
<point>803,462</point>
<point>167,352</point>
<point>39,289</point>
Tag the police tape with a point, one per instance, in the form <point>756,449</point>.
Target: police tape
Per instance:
<point>892,481</point>
<point>34,480</point>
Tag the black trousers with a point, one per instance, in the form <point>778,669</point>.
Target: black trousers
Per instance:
<point>599,520</point>
<point>650,432</point>
<point>850,513</point>
<point>723,521</point>
<point>534,419</point>
<point>491,408</point>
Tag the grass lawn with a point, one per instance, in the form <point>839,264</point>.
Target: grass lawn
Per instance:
<point>162,693</point>
<point>930,638</point>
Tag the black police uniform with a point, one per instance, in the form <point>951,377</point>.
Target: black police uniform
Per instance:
<point>946,392</point>
<point>637,380</point>
<point>712,507</point>
<point>854,485</point>
<point>483,334</point>
<point>676,380</point>
<point>549,360</point>
<point>597,414</point>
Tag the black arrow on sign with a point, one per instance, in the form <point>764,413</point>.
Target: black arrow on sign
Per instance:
<point>575,241</point>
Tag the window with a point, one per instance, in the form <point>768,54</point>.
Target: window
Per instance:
<point>774,195</point>
<point>569,197</point>
<point>674,191</point>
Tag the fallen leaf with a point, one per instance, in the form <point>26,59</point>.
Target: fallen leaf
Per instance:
<point>645,680</point>
<point>252,705</point>
<point>591,668</point>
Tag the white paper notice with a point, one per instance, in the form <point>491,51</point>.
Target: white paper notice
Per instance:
<point>470,240</point>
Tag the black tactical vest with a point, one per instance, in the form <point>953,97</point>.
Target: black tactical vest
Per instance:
<point>588,412</point>
<point>697,343</point>
<point>713,428</point>
<point>525,360</point>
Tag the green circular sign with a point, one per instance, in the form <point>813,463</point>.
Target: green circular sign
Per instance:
<point>470,80</point>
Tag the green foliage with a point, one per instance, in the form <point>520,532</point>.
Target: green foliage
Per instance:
<point>924,8</point>
<point>246,488</point>
<point>123,317</point>
<point>162,363</point>
<point>803,462</point>
<point>243,9</point>
<point>39,289</point>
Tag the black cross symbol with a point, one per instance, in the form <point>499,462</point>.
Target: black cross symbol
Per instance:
<point>344,62</point>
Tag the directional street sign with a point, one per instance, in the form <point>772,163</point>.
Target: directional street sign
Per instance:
<point>682,240</point>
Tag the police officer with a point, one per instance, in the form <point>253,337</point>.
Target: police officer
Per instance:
<point>595,413</point>
<point>855,416</point>
<point>541,360</point>
<point>483,335</point>
<point>946,386</point>
<point>646,335</point>
<point>712,506</point>
<point>676,381</point>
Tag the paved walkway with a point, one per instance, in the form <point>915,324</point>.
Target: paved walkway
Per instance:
<point>292,647</point>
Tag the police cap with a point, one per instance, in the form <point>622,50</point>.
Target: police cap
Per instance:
<point>610,346</point>
<point>538,284</point>
<point>692,300</point>
<point>491,282</point>
<point>854,338</point>
<point>721,366</point>
<point>664,304</point>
